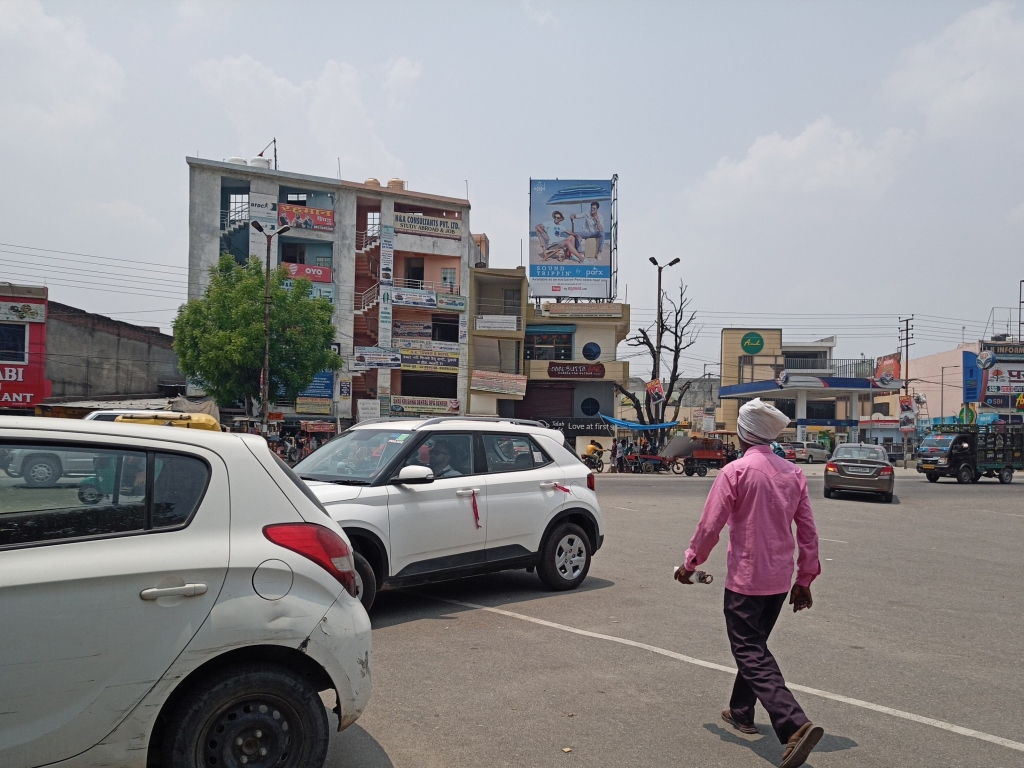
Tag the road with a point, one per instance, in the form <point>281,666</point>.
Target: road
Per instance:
<point>918,614</point>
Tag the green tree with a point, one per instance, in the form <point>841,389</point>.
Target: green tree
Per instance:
<point>219,338</point>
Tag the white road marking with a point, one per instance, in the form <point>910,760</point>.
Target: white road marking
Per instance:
<point>625,508</point>
<point>951,727</point>
<point>837,541</point>
<point>998,512</point>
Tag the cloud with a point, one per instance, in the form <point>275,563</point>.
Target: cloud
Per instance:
<point>63,84</point>
<point>539,12</point>
<point>400,75</point>
<point>823,161</point>
<point>1016,215</point>
<point>315,121</point>
<point>967,80</point>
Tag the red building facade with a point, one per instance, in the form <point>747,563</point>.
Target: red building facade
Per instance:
<point>23,382</point>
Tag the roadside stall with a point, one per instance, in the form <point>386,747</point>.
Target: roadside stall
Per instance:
<point>641,458</point>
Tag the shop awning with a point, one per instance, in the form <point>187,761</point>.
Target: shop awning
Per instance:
<point>635,425</point>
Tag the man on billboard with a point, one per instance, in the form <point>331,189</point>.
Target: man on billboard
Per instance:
<point>591,227</point>
<point>557,240</point>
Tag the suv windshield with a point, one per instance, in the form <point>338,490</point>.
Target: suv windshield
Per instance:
<point>860,452</point>
<point>355,457</point>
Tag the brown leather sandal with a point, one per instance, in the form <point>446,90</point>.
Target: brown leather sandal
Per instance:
<point>800,745</point>
<point>741,727</point>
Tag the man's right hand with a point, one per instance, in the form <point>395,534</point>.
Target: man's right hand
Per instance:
<point>683,576</point>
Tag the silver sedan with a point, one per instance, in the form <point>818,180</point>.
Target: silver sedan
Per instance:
<point>861,469</point>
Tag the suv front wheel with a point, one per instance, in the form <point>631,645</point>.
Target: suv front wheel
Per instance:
<point>249,715</point>
<point>565,557</point>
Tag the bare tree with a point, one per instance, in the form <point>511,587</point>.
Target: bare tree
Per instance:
<point>678,332</point>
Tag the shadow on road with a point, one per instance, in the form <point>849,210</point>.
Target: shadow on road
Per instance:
<point>355,748</point>
<point>768,747</point>
<point>494,590</point>
<point>862,498</point>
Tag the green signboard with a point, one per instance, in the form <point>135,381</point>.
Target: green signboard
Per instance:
<point>752,343</point>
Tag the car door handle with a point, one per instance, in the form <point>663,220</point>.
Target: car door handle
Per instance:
<point>186,590</point>
<point>548,486</point>
<point>467,491</point>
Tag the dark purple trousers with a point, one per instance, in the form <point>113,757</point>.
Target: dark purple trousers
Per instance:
<point>749,620</point>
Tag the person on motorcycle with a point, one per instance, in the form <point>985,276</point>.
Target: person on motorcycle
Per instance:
<point>595,449</point>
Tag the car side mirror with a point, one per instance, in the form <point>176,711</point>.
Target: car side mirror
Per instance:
<point>414,475</point>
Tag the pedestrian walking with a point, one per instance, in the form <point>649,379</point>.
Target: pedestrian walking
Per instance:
<point>614,455</point>
<point>759,497</point>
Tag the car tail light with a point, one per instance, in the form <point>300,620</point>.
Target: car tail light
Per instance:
<point>591,483</point>
<point>885,472</point>
<point>321,545</point>
<point>831,467</point>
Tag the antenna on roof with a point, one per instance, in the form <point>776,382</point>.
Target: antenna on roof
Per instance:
<point>273,141</point>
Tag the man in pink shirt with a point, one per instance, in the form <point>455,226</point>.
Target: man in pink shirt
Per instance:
<point>759,497</point>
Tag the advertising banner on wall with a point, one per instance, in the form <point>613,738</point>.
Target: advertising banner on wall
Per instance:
<point>572,239</point>
<point>887,369</point>
<point>497,322</point>
<point>908,419</point>
<point>452,301</point>
<point>319,405</point>
<point>385,324</point>
<point>500,383</point>
<point>430,226</point>
<point>403,404</point>
<point>309,272</point>
<point>414,297</point>
<point>655,392</point>
<point>22,312</point>
<point>367,409</point>
<point>575,370</point>
<point>1005,378</point>
<point>430,356</point>
<point>596,309</point>
<point>303,217</point>
<point>387,255</point>
<point>413,329</point>
<point>464,328</point>
<point>368,358</point>
<point>262,208</point>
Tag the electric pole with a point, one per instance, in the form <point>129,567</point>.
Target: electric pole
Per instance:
<point>905,337</point>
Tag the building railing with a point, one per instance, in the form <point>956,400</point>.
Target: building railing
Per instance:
<point>367,298</point>
<point>759,368</point>
<point>497,323</point>
<point>368,238</point>
<point>427,285</point>
<point>236,214</point>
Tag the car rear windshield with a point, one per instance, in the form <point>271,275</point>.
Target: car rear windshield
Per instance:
<point>356,457</point>
<point>860,452</point>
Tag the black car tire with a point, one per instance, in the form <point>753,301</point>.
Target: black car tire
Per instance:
<point>964,475</point>
<point>217,722</point>
<point>1006,475</point>
<point>366,582</point>
<point>828,493</point>
<point>41,471</point>
<point>810,459</point>
<point>552,551</point>
<point>887,497</point>
<point>932,477</point>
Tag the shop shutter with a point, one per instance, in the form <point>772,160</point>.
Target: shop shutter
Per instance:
<point>546,400</point>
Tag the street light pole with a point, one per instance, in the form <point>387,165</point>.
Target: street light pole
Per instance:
<point>656,368</point>
<point>265,372</point>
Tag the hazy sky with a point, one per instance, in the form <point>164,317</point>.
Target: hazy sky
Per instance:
<point>823,166</point>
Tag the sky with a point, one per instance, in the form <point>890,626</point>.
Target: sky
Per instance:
<point>824,167</point>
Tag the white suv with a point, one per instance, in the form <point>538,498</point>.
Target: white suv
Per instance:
<point>185,613</point>
<point>432,499</point>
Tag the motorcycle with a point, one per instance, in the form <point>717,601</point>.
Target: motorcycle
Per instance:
<point>594,462</point>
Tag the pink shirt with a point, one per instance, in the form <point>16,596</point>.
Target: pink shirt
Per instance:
<point>759,497</point>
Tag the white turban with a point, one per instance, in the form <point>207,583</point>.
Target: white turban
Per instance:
<point>759,423</point>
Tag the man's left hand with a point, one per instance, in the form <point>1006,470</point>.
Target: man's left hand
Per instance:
<point>683,575</point>
<point>800,598</point>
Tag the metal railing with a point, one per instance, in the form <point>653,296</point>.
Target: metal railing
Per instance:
<point>493,323</point>
<point>428,285</point>
<point>236,214</point>
<point>367,298</point>
<point>367,239</point>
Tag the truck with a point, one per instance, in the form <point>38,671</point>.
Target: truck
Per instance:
<point>969,452</point>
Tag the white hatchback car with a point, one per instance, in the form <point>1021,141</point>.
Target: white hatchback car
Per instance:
<point>185,612</point>
<point>433,499</point>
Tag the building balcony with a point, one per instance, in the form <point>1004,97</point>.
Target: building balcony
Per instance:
<point>498,324</point>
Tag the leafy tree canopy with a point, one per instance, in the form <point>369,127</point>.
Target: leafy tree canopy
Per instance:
<point>219,338</point>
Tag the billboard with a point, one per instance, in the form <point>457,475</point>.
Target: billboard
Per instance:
<point>429,356</point>
<point>431,226</point>
<point>366,358</point>
<point>572,238</point>
<point>887,369</point>
<point>403,404</point>
<point>309,272</point>
<point>303,217</point>
<point>499,383</point>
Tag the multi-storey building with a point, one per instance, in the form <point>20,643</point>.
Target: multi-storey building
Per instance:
<point>395,263</point>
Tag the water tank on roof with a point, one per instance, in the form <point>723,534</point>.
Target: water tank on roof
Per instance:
<point>259,162</point>
<point>238,161</point>
<point>396,184</point>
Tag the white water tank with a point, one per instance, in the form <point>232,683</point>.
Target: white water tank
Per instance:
<point>372,182</point>
<point>396,183</point>
<point>259,162</point>
<point>238,161</point>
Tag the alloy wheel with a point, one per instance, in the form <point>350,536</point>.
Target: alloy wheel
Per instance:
<point>570,557</point>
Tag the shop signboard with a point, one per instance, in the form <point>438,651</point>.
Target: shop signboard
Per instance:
<point>404,404</point>
<point>304,217</point>
<point>21,312</point>
<point>367,409</point>
<point>572,237</point>
<point>464,328</point>
<point>414,297</point>
<point>452,301</point>
<point>574,309</point>
<point>309,272</point>
<point>1004,378</point>
<point>385,318</point>
<point>345,389</point>
<point>497,322</point>
<point>430,356</point>
<point>429,226</point>
<point>575,370</point>
<point>387,255</point>
<point>581,427</point>
<point>319,405</point>
<point>1004,349</point>
<point>368,358</point>
<point>321,386</point>
<point>316,426</point>
<point>501,383</point>
<point>412,329</point>
<point>998,401</point>
<point>887,369</point>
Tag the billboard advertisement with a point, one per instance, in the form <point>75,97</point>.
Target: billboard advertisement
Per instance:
<point>908,418</point>
<point>366,358</point>
<point>403,404</point>
<point>1004,378</point>
<point>309,272</point>
<point>431,226</point>
<point>887,369</point>
<point>304,217</point>
<point>414,297</point>
<point>572,238</point>
<point>499,383</point>
<point>429,356</point>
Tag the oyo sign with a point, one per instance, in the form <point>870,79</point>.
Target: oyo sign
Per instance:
<point>752,343</point>
<point>309,272</point>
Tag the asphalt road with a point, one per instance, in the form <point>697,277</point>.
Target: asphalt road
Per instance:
<point>919,609</point>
